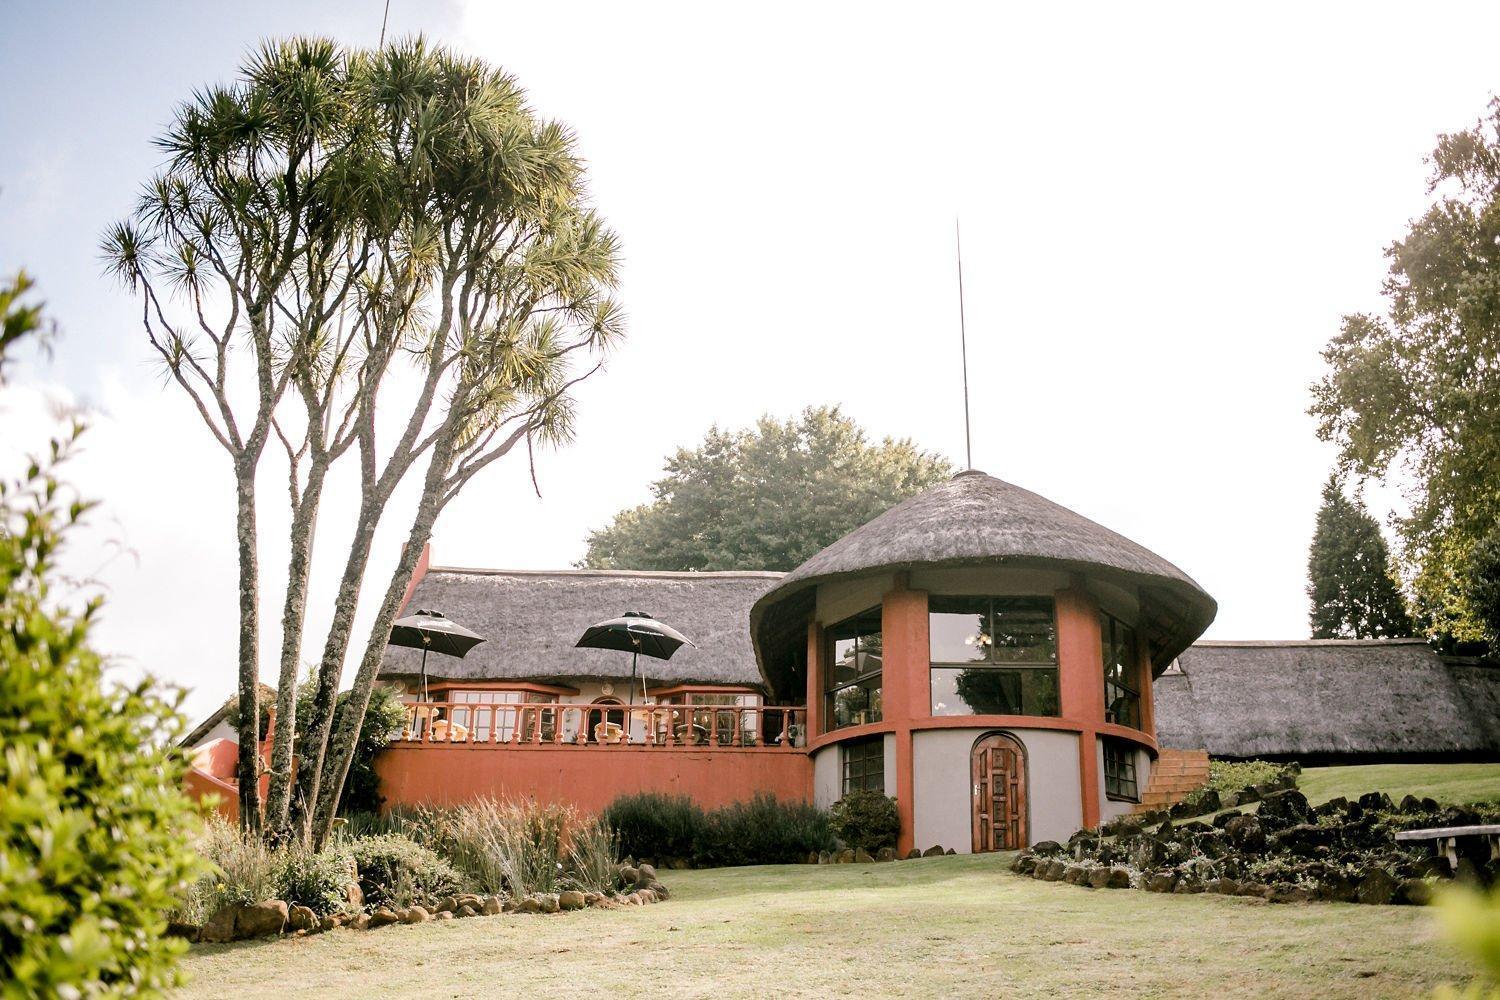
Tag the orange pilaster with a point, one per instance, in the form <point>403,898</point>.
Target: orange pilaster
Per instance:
<point>814,680</point>
<point>905,696</point>
<point>1148,703</point>
<point>1080,681</point>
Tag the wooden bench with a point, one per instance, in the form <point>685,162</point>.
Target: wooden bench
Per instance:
<point>1446,839</point>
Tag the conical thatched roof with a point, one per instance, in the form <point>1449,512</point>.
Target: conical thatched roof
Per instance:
<point>978,519</point>
<point>531,620</point>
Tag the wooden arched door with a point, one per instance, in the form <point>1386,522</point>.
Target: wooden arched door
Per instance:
<point>998,769</point>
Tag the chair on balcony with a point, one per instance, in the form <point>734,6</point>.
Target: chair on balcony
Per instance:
<point>609,732</point>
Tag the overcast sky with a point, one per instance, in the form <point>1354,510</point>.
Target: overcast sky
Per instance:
<point>1166,209</point>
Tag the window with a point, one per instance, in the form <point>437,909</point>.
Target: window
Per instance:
<point>864,765</point>
<point>993,656</point>
<point>1119,771</point>
<point>500,716</point>
<point>852,684</point>
<point>1122,695</point>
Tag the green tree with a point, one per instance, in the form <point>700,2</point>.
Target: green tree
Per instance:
<point>93,821</point>
<point>1482,587</point>
<point>1348,569</point>
<point>1415,394</point>
<point>765,498</point>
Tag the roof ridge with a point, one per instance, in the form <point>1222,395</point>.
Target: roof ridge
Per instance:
<point>755,574</point>
<point>1404,641</point>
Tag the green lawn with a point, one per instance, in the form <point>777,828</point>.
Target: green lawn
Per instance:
<point>1456,783</point>
<point>943,926</point>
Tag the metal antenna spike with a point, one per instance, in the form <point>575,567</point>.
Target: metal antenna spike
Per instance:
<point>963,340</point>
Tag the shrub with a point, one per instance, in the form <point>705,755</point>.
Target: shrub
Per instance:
<point>867,819</point>
<point>651,825</point>
<point>382,722</point>
<point>763,831</point>
<point>93,823</point>
<point>317,881</point>
<point>394,869</point>
<point>239,869</point>
<point>593,856</point>
<point>1226,776</point>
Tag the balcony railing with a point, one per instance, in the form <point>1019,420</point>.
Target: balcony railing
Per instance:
<point>707,727</point>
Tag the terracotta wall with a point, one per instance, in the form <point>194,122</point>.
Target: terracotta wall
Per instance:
<point>588,777</point>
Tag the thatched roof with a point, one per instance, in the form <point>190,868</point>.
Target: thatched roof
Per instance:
<point>267,697</point>
<point>531,620</point>
<point>978,519</point>
<point>1328,698</point>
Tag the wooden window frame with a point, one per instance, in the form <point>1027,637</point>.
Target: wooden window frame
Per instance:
<point>1122,687</point>
<point>860,755</point>
<point>831,689</point>
<point>991,663</point>
<point>1120,779</point>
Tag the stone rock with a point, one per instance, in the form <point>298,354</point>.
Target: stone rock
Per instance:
<point>1430,805</point>
<point>1287,805</point>
<point>862,856</point>
<point>302,918</point>
<point>447,904</point>
<point>1182,810</point>
<point>844,857</point>
<point>933,852</point>
<point>549,903</point>
<point>1046,847</point>
<point>1096,878</point>
<point>182,929</point>
<point>647,873</point>
<point>811,859</point>
<point>1146,852</point>
<point>913,854</point>
<point>1413,892</point>
<point>1160,882</point>
<point>511,905</point>
<point>493,905</point>
<point>472,900</point>
<point>444,915</point>
<point>327,923</point>
<point>465,910</point>
<point>1117,878</point>
<point>261,919</point>
<point>1375,802</point>
<point>360,922</point>
<point>572,899</point>
<point>1286,892</point>
<point>1307,839</point>
<point>530,904</point>
<point>629,875</point>
<point>1024,864</point>
<point>354,895</point>
<point>886,854</point>
<point>660,890</point>
<point>416,915</point>
<point>824,858</point>
<point>1207,800</point>
<point>1410,804</point>
<point>220,927</point>
<point>1188,886</point>
<point>1052,871</point>
<point>1229,800</point>
<point>1378,887</point>
<point>1221,820</point>
<point>1337,888</point>
<point>647,896</point>
<point>1227,887</point>
<point>950,851</point>
<point>384,917</point>
<point>1125,826</point>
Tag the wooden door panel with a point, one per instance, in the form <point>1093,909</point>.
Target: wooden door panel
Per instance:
<point>998,771</point>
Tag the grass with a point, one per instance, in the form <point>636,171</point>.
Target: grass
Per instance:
<point>939,926</point>
<point>1449,783</point>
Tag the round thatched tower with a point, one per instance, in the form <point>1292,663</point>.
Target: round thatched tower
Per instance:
<point>983,655</point>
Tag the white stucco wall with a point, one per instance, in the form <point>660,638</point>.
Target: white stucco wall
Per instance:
<point>222,731</point>
<point>827,777</point>
<point>943,796</point>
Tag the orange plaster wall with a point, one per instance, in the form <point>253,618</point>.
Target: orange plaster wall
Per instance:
<point>588,777</point>
<point>1080,681</point>
<point>905,695</point>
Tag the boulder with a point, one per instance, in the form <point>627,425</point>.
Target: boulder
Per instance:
<point>1160,882</point>
<point>1413,892</point>
<point>531,904</point>
<point>1221,820</point>
<point>845,857</point>
<point>302,918</point>
<point>646,896</point>
<point>1248,794</point>
<point>572,899</point>
<point>660,890</point>
<point>913,854</point>
<point>886,854</point>
<point>1186,886</point>
<point>447,904</point>
<point>327,923</point>
<point>473,901</point>
<point>1024,864</point>
<point>1229,800</point>
<point>629,874</point>
<point>932,852</point>
<point>493,905</point>
<point>1286,892</point>
<point>1046,847</point>
<point>824,858</point>
<point>1146,852</point>
<point>548,902</point>
<point>1409,804</point>
<point>511,905</point>
<point>1287,805</point>
<point>384,917</point>
<point>1375,802</point>
<point>1336,887</point>
<point>360,922</point>
<point>1126,826</point>
<point>1227,887</point>
<point>646,873</point>
<point>1307,839</point>
<point>1118,878</point>
<point>862,856</point>
<point>261,919</point>
<point>182,929</point>
<point>1076,875</point>
<point>1378,887</point>
<point>354,895</point>
<point>220,927</point>
<point>950,851</point>
<point>444,915</point>
<point>416,915</point>
<point>1097,878</point>
<point>1055,871</point>
<point>465,910</point>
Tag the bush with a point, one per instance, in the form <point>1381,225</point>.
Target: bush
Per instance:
<point>652,825</point>
<point>763,831</point>
<point>394,869</point>
<point>318,881</point>
<point>383,720</point>
<point>867,819</point>
<point>239,869</point>
<point>93,822</point>
<point>1225,776</point>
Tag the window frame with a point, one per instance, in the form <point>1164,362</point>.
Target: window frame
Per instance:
<point>870,749</point>
<point>1128,688</point>
<point>832,686</point>
<point>1123,773</point>
<point>1047,665</point>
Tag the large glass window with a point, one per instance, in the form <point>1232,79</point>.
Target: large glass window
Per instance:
<point>480,720</point>
<point>852,684</point>
<point>993,656</point>
<point>1119,771</point>
<point>864,765</point>
<point>1122,694</point>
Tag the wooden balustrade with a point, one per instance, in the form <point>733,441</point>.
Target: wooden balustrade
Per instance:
<point>744,727</point>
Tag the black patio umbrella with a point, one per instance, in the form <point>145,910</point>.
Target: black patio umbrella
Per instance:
<point>635,633</point>
<point>432,630</point>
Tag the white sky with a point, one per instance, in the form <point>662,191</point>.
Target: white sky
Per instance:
<point>1166,209</point>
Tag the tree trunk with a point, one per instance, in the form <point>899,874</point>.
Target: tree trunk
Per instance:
<point>331,667</point>
<point>345,735</point>
<point>248,764</point>
<point>293,619</point>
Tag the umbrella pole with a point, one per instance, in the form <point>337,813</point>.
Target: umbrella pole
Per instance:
<point>424,687</point>
<point>634,656</point>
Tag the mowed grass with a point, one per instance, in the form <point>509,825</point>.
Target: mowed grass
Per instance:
<point>1448,783</point>
<point>934,927</point>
